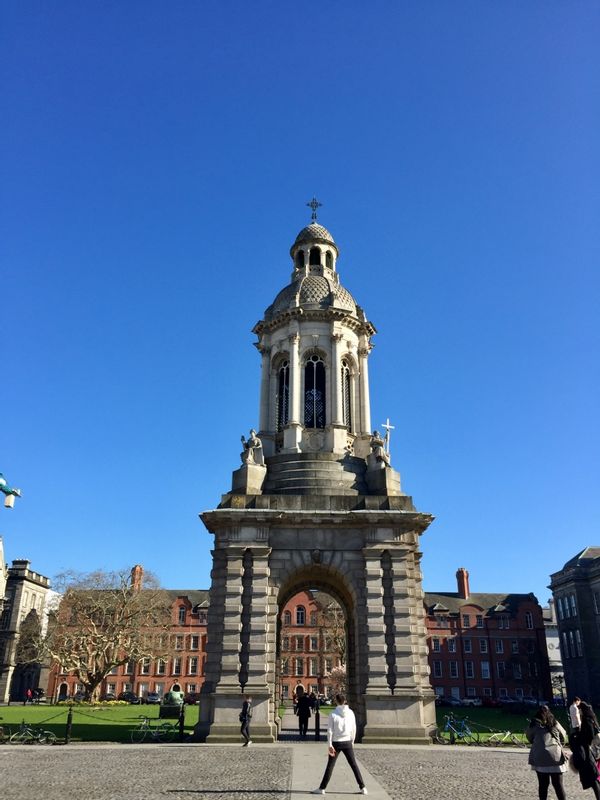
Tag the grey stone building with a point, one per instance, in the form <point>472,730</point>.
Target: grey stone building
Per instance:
<point>316,504</point>
<point>23,598</point>
<point>576,592</point>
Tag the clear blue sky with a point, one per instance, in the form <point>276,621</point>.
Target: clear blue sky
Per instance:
<point>156,162</point>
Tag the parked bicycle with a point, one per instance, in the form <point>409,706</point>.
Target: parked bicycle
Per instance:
<point>456,730</point>
<point>505,737</point>
<point>165,732</point>
<point>27,734</point>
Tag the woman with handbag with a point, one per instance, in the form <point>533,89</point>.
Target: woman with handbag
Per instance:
<point>584,745</point>
<point>546,756</point>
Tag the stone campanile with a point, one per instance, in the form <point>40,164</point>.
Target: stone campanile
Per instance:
<point>316,504</point>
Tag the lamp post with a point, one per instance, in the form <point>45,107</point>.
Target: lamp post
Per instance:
<point>10,494</point>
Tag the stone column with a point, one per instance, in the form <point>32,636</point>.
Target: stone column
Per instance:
<point>365,403</point>
<point>265,397</point>
<point>336,380</point>
<point>260,648</point>
<point>221,695</point>
<point>295,378</point>
<point>293,431</point>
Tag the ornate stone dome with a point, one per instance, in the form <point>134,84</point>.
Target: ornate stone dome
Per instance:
<point>314,233</point>
<point>312,291</point>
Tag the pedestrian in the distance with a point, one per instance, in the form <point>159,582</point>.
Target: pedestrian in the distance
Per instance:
<point>574,715</point>
<point>546,756</point>
<point>584,755</point>
<point>303,711</point>
<point>245,717</point>
<point>341,732</point>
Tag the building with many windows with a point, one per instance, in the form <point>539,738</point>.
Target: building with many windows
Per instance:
<point>576,592</point>
<point>182,671</point>
<point>486,645</point>
<point>22,600</point>
<point>312,643</point>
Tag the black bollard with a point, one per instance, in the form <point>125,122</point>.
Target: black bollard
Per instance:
<point>69,725</point>
<point>182,722</point>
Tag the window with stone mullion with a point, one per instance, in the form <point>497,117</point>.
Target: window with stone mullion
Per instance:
<point>346,406</point>
<point>283,395</point>
<point>314,393</point>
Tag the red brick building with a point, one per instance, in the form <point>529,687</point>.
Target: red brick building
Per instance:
<point>183,671</point>
<point>312,642</point>
<point>486,645</point>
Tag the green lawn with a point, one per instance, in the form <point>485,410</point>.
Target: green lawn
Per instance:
<point>97,723</point>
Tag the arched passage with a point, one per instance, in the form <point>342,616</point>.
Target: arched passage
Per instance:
<point>304,581</point>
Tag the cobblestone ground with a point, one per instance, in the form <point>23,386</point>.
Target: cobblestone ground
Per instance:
<point>459,773</point>
<point>144,773</point>
<point>196,772</point>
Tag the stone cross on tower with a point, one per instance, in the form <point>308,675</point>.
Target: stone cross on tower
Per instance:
<point>314,204</point>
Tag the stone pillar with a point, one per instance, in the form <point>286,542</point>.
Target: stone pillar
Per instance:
<point>365,403</point>
<point>336,380</point>
<point>220,701</point>
<point>265,397</point>
<point>293,431</point>
<point>375,633</point>
<point>261,650</point>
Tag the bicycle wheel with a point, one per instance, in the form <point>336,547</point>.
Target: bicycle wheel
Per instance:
<point>20,737</point>
<point>437,737</point>
<point>496,739</point>
<point>138,735</point>
<point>471,737</point>
<point>516,740</point>
<point>47,737</point>
<point>166,733</point>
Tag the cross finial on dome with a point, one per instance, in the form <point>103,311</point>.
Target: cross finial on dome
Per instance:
<point>314,204</point>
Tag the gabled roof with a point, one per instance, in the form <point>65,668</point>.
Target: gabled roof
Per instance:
<point>197,597</point>
<point>487,602</point>
<point>585,558</point>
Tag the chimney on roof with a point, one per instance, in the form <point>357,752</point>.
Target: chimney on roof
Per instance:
<point>462,580</point>
<point>137,577</point>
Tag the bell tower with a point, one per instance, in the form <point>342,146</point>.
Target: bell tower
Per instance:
<point>316,503</point>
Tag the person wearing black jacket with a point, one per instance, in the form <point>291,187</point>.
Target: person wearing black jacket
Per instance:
<point>584,757</point>
<point>302,710</point>
<point>245,717</point>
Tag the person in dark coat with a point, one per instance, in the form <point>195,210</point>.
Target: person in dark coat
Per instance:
<point>302,710</point>
<point>582,745</point>
<point>546,755</point>
<point>245,717</point>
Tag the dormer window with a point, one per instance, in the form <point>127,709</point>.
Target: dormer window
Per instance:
<point>314,393</point>
<point>300,259</point>
<point>315,257</point>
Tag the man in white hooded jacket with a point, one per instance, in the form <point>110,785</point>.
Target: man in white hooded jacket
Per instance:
<point>341,732</point>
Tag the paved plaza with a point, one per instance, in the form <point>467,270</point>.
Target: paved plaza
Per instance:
<point>264,772</point>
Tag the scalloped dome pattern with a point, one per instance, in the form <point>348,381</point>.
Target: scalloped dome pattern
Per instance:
<point>311,290</point>
<point>314,233</point>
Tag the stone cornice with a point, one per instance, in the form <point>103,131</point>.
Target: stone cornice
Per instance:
<point>403,521</point>
<point>328,314</point>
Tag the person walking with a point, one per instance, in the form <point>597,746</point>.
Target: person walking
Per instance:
<point>574,715</point>
<point>341,732</point>
<point>546,756</point>
<point>585,751</point>
<point>303,711</point>
<point>245,717</point>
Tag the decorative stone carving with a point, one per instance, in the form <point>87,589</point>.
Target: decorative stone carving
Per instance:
<point>379,457</point>
<point>253,450</point>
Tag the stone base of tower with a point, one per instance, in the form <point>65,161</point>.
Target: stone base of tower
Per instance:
<point>219,718</point>
<point>399,719</point>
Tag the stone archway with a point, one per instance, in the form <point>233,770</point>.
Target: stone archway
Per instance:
<point>367,556</point>
<point>333,585</point>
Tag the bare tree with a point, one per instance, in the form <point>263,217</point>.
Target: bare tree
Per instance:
<point>332,622</point>
<point>105,620</point>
